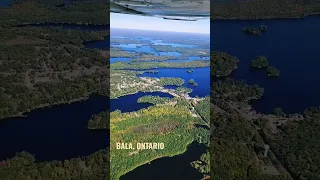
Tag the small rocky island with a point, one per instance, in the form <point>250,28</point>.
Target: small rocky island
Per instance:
<point>255,31</point>
<point>261,62</point>
<point>189,71</point>
<point>191,81</point>
<point>272,71</point>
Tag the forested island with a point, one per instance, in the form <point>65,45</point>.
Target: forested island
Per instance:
<point>190,71</point>
<point>272,71</point>
<point>191,81</point>
<point>222,64</point>
<point>260,62</point>
<point>255,31</point>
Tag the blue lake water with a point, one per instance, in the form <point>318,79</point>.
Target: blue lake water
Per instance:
<point>55,133</point>
<point>167,37</point>
<point>5,3</point>
<point>58,132</point>
<point>200,75</point>
<point>177,167</point>
<point>290,45</point>
<point>160,42</point>
<point>99,44</point>
<point>113,60</point>
<point>129,103</point>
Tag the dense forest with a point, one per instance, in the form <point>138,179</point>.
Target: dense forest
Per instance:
<point>263,9</point>
<point>152,65</point>
<point>222,64</point>
<point>154,124</point>
<point>154,100</point>
<point>255,31</point>
<point>273,71</point>
<point>260,62</point>
<point>24,166</point>
<point>33,12</point>
<point>42,66</point>
<point>45,66</point>
<point>99,121</point>
<point>297,145</point>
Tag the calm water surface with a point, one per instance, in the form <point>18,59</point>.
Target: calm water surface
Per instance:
<point>290,45</point>
<point>55,133</point>
<point>177,167</point>
<point>200,75</point>
<point>129,103</point>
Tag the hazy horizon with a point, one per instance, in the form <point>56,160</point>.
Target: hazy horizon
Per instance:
<point>158,31</point>
<point>136,22</point>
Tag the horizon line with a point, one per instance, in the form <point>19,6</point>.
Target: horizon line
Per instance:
<point>161,30</point>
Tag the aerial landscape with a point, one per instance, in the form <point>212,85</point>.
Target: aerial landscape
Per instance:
<point>53,90</point>
<point>159,90</point>
<point>265,113</point>
<point>86,96</point>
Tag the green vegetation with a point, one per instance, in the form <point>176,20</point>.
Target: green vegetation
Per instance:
<point>302,163</point>
<point>202,107</point>
<point>272,71</point>
<point>278,112</point>
<point>173,125</point>
<point>237,151</point>
<point>23,166</point>
<point>33,76</point>
<point>115,52</point>
<point>186,52</point>
<point>263,9</point>
<point>260,62</point>
<point>154,100</point>
<point>99,121</point>
<point>171,81</point>
<point>223,64</point>
<point>234,90</point>
<point>124,82</point>
<point>191,81</point>
<point>45,66</point>
<point>183,90</point>
<point>151,57</point>
<point>151,65</point>
<point>203,165</point>
<point>255,31</point>
<point>33,12</point>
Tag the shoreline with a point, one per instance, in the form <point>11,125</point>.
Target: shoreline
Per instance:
<point>43,106</point>
<point>263,18</point>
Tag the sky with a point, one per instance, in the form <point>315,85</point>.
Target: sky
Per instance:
<point>154,23</point>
